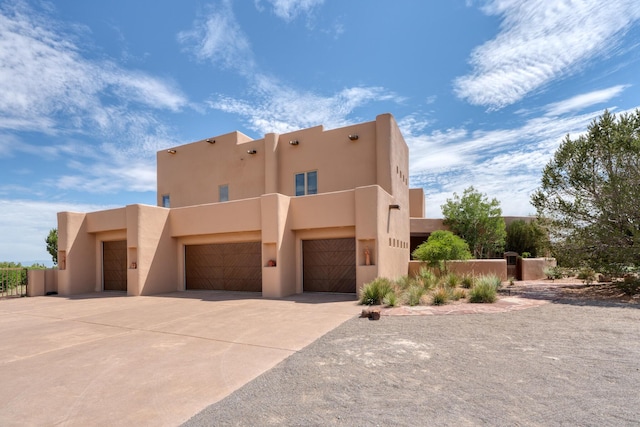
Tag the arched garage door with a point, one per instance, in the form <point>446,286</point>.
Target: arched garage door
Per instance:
<point>329,265</point>
<point>224,266</point>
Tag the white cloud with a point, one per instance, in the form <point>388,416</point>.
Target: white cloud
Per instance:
<point>25,225</point>
<point>48,86</point>
<point>276,107</point>
<point>502,163</point>
<point>288,10</point>
<point>584,100</point>
<point>217,37</point>
<point>539,41</point>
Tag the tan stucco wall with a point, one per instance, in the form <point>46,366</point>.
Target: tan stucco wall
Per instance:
<point>477,267</point>
<point>533,268</point>
<point>189,176</point>
<point>416,203</point>
<point>76,254</point>
<point>42,281</point>
<point>363,193</point>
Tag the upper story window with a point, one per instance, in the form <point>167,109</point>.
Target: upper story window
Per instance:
<point>166,201</point>
<point>306,183</point>
<point>223,193</point>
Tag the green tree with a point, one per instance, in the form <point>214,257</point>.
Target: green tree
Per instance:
<point>440,247</point>
<point>590,194</point>
<point>478,221</point>
<point>523,236</point>
<point>52,244</point>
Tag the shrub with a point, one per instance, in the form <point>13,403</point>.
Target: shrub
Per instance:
<point>373,292</point>
<point>458,294</point>
<point>390,299</point>
<point>427,278</point>
<point>414,294</point>
<point>587,275</point>
<point>630,285</point>
<point>526,254</point>
<point>485,289</point>
<point>467,281</point>
<point>440,247</point>
<point>451,280</point>
<point>404,282</point>
<point>553,273</point>
<point>440,296</point>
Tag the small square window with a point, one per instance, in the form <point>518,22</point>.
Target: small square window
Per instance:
<point>306,183</point>
<point>166,201</point>
<point>223,193</point>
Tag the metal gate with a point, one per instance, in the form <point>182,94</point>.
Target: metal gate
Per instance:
<point>13,282</point>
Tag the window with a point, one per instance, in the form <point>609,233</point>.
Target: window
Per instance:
<point>166,203</point>
<point>223,193</point>
<point>306,183</point>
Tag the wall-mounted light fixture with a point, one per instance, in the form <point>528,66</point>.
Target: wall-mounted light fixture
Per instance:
<point>171,151</point>
<point>251,151</point>
<point>353,136</point>
<point>294,142</point>
<point>394,207</point>
<point>211,141</point>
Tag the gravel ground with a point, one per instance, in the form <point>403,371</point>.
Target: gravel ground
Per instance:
<point>570,363</point>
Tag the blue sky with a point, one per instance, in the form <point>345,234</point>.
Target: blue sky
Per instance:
<point>484,91</point>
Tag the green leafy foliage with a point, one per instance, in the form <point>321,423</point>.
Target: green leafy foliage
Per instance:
<point>485,290</point>
<point>440,247</point>
<point>478,221</point>
<point>52,244</point>
<point>590,196</point>
<point>373,292</point>
<point>526,238</point>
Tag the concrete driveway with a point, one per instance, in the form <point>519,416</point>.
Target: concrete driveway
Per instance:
<point>110,359</point>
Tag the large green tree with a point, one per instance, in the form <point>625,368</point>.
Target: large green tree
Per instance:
<point>478,221</point>
<point>590,194</point>
<point>52,244</point>
<point>526,236</point>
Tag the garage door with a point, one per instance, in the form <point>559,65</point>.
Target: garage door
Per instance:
<point>224,267</point>
<point>329,265</point>
<point>114,265</point>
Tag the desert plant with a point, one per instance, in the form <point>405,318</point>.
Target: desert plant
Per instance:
<point>482,293</point>
<point>485,289</point>
<point>587,275</point>
<point>372,293</point>
<point>427,277</point>
<point>390,299</point>
<point>404,282</point>
<point>630,285</point>
<point>440,296</point>
<point>491,279</point>
<point>458,294</point>
<point>467,281</point>
<point>451,280</point>
<point>414,293</point>
<point>553,273</point>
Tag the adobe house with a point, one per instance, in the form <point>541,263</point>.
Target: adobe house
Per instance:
<point>312,210</point>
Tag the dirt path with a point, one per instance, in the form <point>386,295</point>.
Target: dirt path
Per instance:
<point>570,363</point>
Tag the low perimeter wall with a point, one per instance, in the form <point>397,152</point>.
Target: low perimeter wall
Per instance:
<point>476,267</point>
<point>533,268</point>
<point>42,281</point>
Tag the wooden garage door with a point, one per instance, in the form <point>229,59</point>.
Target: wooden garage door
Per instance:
<point>329,265</point>
<point>227,266</point>
<point>114,265</point>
